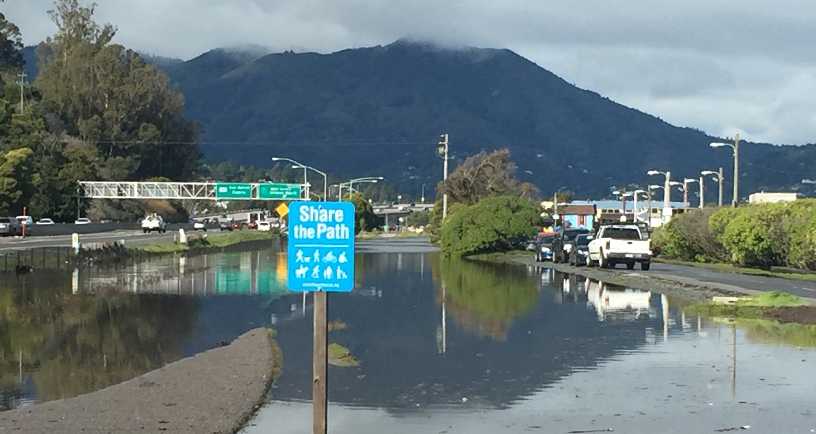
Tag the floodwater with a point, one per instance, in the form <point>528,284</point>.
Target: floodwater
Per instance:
<point>443,347</point>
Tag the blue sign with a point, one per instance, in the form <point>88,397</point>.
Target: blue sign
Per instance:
<point>321,246</point>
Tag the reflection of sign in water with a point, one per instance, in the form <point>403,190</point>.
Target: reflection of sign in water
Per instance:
<point>321,246</point>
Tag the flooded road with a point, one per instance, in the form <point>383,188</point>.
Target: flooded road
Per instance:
<point>441,346</point>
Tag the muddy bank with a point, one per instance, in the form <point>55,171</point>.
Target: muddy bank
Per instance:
<point>799,314</point>
<point>212,392</point>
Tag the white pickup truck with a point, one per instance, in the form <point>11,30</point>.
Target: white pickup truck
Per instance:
<point>620,244</point>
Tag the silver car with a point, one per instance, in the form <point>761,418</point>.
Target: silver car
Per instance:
<point>9,226</point>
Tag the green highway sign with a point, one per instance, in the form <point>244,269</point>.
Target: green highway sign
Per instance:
<point>278,191</point>
<point>233,191</point>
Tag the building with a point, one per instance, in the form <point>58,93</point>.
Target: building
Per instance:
<point>576,216</point>
<point>762,197</point>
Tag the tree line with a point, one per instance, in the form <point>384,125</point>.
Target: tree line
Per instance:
<point>96,111</point>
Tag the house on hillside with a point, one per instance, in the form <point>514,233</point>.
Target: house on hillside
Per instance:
<point>577,216</point>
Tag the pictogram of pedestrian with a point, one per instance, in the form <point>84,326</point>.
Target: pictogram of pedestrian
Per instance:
<point>327,273</point>
<point>299,256</point>
<point>341,274</point>
<point>316,256</point>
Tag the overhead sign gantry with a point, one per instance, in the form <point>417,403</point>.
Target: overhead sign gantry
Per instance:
<point>193,190</point>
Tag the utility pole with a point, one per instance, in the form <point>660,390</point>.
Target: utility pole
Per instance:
<point>685,193</point>
<point>22,76</point>
<point>736,170</point>
<point>442,149</point>
<point>702,192</point>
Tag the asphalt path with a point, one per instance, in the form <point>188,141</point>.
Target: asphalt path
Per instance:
<point>802,288</point>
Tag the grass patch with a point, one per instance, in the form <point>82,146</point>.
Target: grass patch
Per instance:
<point>754,307</point>
<point>780,272</point>
<point>341,356</point>
<point>211,241</point>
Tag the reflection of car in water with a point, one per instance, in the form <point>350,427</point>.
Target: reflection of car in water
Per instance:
<point>617,303</point>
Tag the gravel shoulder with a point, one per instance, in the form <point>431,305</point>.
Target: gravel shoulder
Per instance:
<point>213,392</point>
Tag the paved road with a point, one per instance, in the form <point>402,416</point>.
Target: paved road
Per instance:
<point>801,288</point>
<point>129,236</point>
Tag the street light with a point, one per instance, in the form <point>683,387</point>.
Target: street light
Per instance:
<point>686,182</point>
<point>350,183</point>
<point>649,192</point>
<point>734,147</point>
<point>299,165</point>
<point>666,193</point>
<point>719,180</point>
<point>635,194</point>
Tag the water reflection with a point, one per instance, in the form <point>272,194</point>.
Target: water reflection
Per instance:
<point>242,272</point>
<point>427,333</point>
<point>56,345</point>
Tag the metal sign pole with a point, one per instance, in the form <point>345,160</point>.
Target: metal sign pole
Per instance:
<point>319,364</point>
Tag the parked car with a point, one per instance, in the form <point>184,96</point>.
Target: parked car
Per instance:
<point>580,252</point>
<point>44,222</point>
<point>82,221</point>
<point>9,226</point>
<point>199,226</point>
<point>620,244</point>
<point>544,249</point>
<point>563,243</point>
<point>154,223</point>
<point>264,226</point>
<point>225,225</point>
<point>252,225</point>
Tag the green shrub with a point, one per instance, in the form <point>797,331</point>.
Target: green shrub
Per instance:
<point>688,237</point>
<point>800,227</point>
<point>493,224</point>
<point>755,236</point>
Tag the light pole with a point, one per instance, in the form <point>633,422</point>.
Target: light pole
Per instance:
<point>667,211</point>
<point>719,180</point>
<point>735,148</point>
<point>686,182</point>
<point>635,194</point>
<point>350,183</point>
<point>650,189</point>
<point>442,150</point>
<point>298,165</point>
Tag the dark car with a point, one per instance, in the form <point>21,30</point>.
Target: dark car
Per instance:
<point>563,243</point>
<point>225,226</point>
<point>580,252</point>
<point>544,248</point>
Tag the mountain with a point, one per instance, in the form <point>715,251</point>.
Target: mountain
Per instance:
<point>379,110</point>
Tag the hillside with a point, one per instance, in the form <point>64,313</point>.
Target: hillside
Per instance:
<point>379,110</point>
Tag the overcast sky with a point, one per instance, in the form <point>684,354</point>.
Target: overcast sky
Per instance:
<point>720,66</point>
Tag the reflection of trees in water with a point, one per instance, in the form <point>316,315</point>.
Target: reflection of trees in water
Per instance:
<point>74,344</point>
<point>485,299</point>
<point>774,332</point>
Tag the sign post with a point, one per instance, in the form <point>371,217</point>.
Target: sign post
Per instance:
<point>320,260</point>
